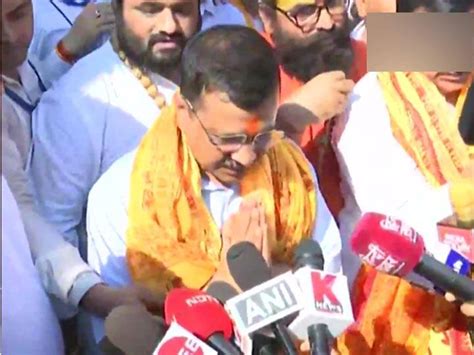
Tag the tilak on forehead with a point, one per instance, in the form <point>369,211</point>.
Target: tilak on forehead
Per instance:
<point>253,126</point>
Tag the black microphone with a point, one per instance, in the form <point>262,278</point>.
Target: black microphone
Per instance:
<point>309,254</point>
<point>132,330</point>
<point>249,269</point>
<point>466,121</point>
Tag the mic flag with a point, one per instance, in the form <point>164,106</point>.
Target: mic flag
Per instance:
<point>198,312</point>
<point>178,340</point>
<point>266,303</point>
<point>387,244</point>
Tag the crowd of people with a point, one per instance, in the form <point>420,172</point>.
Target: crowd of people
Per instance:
<point>141,139</point>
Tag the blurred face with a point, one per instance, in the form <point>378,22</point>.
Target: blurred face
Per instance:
<point>449,83</point>
<point>224,139</point>
<point>17,31</point>
<point>310,39</point>
<point>153,33</point>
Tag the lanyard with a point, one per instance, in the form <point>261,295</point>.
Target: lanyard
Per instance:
<point>26,106</point>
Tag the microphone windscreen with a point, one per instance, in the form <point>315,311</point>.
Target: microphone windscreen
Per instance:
<point>198,312</point>
<point>387,244</point>
<point>309,253</point>
<point>222,291</point>
<point>247,265</point>
<point>133,330</point>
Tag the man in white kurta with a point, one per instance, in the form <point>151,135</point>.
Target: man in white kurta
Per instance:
<point>378,174</point>
<point>107,221</point>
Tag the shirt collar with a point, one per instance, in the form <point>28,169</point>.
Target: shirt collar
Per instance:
<point>208,6</point>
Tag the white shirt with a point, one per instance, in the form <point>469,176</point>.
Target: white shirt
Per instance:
<point>378,175</point>
<point>52,21</point>
<point>359,31</point>
<point>29,325</point>
<point>95,114</point>
<point>107,221</point>
<point>62,271</point>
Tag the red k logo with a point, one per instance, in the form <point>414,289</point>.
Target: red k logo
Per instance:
<point>323,287</point>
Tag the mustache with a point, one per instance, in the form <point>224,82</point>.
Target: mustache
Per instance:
<point>161,37</point>
<point>232,164</point>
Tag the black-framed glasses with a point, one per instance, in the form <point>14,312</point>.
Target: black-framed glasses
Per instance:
<point>233,142</point>
<point>303,16</point>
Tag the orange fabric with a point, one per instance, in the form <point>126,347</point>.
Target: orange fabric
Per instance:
<point>316,139</point>
<point>393,316</point>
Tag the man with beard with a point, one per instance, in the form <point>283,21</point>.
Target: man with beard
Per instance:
<point>103,106</point>
<point>210,173</point>
<point>417,168</point>
<point>316,54</point>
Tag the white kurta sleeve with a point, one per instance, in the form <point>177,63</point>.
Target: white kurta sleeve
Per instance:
<point>68,128</point>
<point>60,266</point>
<point>382,176</point>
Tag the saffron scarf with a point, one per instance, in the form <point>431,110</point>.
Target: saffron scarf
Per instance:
<point>172,239</point>
<point>393,316</point>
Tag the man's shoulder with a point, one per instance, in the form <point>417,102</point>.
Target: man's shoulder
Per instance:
<point>113,185</point>
<point>90,74</point>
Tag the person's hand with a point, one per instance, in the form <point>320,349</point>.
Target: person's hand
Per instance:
<point>322,98</point>
<point>247,225</point>
<point>305,348</point>
<point>101,299</point>
<point>467,308</point>
<point>93,21</point>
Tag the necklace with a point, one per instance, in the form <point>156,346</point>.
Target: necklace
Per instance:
<point>145,80</point>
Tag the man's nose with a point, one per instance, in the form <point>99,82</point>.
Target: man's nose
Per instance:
<point>325,21</point>
<point>167,22</point>
<point>246,155</point>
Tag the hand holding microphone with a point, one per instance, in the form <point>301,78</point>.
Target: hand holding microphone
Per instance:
<point>467,308</point>
<point>390,246</point>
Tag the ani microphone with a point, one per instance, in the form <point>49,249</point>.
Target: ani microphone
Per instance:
<point>265,300</point>
<point>202,315</point>
<point>326,297</point>
<point>391,246</point>
<point>258,344</point>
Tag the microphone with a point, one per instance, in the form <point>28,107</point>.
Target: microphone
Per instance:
<point>326,297</point>
<point>390,246</point>
<point>180,341</point>
<point>132,330</point>
<point>466,121</point>
<point>258,344</point>
<point>265,301</point>
<point>202,315</point>
<point>452,259</point>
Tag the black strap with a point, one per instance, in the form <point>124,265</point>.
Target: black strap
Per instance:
<point>29,108</point>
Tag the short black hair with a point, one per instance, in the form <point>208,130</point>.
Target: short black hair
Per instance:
<point>235,60</point>
<point>429,5</point>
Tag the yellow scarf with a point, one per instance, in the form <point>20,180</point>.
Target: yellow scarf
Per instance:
<point>172,239</point>
<point>395,317</point>
<point>424,125</point>
<point>241,7</point>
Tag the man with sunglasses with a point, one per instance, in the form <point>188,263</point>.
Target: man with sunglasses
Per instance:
<point>317,56</point>
<point>212,172</point>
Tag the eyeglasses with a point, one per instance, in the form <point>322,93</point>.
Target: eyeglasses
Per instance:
<point>233,142</point>
<point>303,16</point>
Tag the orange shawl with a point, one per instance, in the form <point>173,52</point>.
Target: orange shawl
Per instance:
<point>172,239</point>
<point>393,316</point>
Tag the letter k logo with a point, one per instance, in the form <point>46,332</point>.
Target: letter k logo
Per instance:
<point>323,287</point>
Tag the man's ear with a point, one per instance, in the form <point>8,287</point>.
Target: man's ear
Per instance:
<point>179,101</point>
<point>268,17</point>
